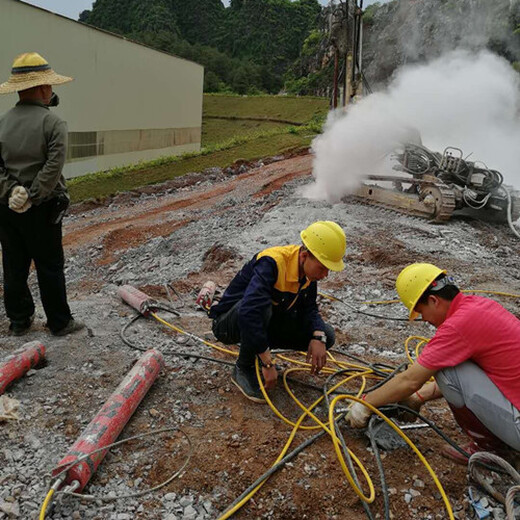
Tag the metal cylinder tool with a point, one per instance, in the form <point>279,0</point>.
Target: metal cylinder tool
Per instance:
<point>20,362</point>
<point>137,299</point>
<point>106,426</point>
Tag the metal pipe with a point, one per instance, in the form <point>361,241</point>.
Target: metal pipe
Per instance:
<point>20,362</point>
<point>110,420</point>
<point>335,91</point>
<point>137,299</point>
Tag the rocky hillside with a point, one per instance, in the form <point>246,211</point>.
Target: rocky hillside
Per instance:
<point>408,31</point>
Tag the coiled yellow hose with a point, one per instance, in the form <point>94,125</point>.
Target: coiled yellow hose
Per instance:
<point>360,373</point>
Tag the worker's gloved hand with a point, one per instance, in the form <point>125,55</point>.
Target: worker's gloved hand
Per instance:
<point>270,377</point>
<point>358,416</point>
<point>18,198</point>
<point>316,355</point>
<point>413,402</point>
<point>24,208</point>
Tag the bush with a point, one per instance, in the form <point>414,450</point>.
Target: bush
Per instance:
<point>211,82</point>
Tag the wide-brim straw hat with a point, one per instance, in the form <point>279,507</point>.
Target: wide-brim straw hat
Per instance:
<point>31,70</point>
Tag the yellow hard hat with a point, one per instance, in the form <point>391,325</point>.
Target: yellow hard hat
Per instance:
<point>411,283</point>
<point>326,241</point>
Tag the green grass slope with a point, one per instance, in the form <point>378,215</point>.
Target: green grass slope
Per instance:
<point>247,137</point>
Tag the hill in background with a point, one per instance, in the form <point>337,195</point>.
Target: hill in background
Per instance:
<point>269,46</point>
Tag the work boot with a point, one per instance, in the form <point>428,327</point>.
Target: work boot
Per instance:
<point>451,453</point>
<point>72,326</point>
<point>481,438</point>
<point>507,454</point>
<point>20,328</point>
<point>246,381</point>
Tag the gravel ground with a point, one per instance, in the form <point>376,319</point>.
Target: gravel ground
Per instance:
<point>183,233</point>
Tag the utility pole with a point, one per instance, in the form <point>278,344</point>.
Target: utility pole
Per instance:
<point>346,60</point>
<point>336,69</point>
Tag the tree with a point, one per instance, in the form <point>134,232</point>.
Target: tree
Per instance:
<point>249,45</point>
<point>240,82</point>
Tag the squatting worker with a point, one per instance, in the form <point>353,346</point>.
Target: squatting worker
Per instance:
<point>474,357</point>
<point>271,303</point>
<point>33,196</point>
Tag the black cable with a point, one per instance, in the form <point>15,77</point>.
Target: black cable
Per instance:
<point>358,311</point>
<point>339,434</point>
<point>389,376</point>
<point>379,462</point>
<point>351,468</point>
<point>142,348</point>
<point>167,353</point>
<point>373,366</point>
<point>365,82</point>
<point>275,468</point>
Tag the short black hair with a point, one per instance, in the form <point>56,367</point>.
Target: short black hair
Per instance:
<point>448,292</point>
<point>307,250</point>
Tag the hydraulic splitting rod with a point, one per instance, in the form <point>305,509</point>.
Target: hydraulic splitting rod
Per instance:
<point>20,362</point>
<point>137,299</point>
<point>106,426</point>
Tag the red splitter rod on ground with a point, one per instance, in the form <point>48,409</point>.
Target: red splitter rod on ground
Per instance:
<point>110,420</point>
<point>20,362</point>
<point>137,299</point>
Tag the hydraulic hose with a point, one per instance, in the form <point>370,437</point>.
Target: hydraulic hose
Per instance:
<point>387,302</point>
<point>59,479</point>
<point>509,212</point>
<point>400,433</point>
<point>358,311</point>
<point>45,505</point>
<point>360,372</point>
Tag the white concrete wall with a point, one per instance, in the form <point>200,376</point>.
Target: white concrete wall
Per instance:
<point>119,85</point>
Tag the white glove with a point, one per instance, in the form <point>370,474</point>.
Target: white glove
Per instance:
<point>24,208</point>
<point>358,415</point>
<point>18,198</point>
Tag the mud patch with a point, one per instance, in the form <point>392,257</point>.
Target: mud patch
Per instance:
<point>217,255</point>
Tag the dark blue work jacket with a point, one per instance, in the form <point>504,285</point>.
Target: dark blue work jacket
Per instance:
<point>271,277</point>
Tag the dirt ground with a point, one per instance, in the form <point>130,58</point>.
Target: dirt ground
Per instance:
<point>203,227</point>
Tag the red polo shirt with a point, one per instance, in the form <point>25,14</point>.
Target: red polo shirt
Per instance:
<point>480,330</point>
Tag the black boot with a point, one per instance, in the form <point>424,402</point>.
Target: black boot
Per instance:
<point>247,382</point>
<point>20,328</point>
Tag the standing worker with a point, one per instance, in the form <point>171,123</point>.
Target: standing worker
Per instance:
<point>474,357</point>
<point>33,196</point>
<point>271,303</point>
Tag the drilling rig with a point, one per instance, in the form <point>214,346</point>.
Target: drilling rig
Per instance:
<point>437,184</point>
<point>433,185</point>
<point>346,39</point>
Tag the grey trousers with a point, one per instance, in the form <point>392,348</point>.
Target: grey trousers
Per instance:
<point>468,385</point>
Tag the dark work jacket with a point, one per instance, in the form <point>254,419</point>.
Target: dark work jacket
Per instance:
<point>270,278</point>
<point>33,149</point>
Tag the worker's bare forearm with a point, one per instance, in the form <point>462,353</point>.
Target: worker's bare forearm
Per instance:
<point>395,390</point>
<point>401,386</point>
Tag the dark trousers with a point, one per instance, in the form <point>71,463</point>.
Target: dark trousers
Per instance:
<point>30,236</point>
<point>285,331</point>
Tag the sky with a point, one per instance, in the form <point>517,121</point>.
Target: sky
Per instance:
<point>72,8</point>
<point>69,8</point>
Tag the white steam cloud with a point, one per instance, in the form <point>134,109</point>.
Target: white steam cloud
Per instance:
<point>463,99</point>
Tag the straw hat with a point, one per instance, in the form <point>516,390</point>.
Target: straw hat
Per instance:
<point>31,70</point>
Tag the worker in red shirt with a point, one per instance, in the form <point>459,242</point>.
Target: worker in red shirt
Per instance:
<point>474,358</point>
